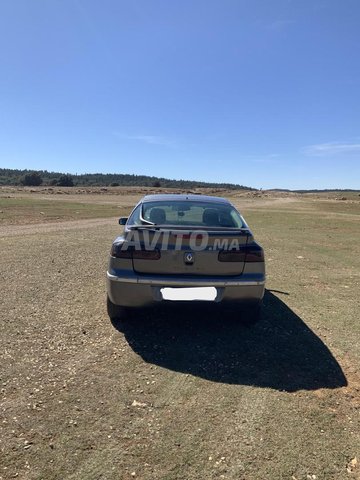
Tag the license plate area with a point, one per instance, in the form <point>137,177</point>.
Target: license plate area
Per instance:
<point>189,293</point>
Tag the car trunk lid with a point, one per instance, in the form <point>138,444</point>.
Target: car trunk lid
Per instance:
<point>190,252</point>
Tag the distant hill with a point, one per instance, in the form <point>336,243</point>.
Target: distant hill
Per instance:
<point>325,190</point>
<point>13,177</point>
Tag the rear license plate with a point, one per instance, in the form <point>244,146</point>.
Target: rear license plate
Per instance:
<point>189,293</point>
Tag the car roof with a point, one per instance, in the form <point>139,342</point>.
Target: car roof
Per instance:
<point>183,197</point>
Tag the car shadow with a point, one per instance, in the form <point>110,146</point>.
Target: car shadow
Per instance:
<point>279,352</point>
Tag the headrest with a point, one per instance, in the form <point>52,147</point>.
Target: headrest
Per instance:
<point>158,216</point>
<point>211,217</point>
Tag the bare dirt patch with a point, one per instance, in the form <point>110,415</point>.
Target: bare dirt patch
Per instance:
<point>186,393</point>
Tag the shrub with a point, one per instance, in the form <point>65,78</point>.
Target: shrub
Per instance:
<point>65,181</point>
<point>31,180</point>
<point>114,184</point>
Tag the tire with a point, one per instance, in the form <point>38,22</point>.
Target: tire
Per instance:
<point>115,312</point>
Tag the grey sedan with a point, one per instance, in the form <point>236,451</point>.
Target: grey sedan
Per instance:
<point>185,248</point>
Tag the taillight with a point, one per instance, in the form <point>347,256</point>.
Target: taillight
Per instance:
<point>254,253</point>
<point>116,251</point>
<point>232,256</point>
<point>248,253</point>
<point>119,252</point>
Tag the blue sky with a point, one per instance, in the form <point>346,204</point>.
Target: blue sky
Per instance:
<point>261,93</point>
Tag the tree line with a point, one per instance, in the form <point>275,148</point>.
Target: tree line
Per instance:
<point>14,177</point>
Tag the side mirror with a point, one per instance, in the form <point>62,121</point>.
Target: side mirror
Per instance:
<point>123,220</point>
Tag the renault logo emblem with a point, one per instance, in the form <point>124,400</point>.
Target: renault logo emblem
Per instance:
<point>189,258</point>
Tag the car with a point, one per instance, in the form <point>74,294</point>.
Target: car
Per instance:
<point>185,248</point>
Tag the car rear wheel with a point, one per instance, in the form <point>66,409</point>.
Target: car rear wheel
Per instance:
<point>115,312</point>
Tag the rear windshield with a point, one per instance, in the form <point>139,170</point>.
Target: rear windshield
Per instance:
<point>201,214</point>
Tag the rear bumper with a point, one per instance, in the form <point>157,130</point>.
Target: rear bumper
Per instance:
<point>131,290</point>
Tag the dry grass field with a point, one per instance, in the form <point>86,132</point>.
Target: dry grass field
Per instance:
<point>188,394</point>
